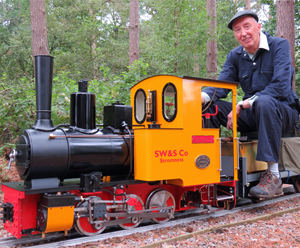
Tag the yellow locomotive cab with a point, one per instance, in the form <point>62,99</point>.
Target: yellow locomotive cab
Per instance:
<point>171,143</point>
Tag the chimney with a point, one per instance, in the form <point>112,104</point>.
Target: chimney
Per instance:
<point>43,85</point>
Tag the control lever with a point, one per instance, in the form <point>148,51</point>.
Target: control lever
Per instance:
<point>12,157</point>
<point>207,117</point>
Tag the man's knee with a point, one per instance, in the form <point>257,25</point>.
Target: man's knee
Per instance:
<point>264,102</point>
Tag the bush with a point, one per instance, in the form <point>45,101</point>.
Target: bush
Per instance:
<point>17,107</point>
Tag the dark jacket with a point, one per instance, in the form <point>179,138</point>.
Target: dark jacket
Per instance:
<point>271,73</point>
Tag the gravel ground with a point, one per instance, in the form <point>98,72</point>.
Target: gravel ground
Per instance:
<point>282,231</point>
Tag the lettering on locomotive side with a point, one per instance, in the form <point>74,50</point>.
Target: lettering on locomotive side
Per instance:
<point>196,139</point>
<point>170,156</point>
<point>172,160</point>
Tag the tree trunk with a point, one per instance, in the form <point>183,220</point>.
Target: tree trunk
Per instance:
<point>93,45</point>
<point>134,31</point>
<point>248,4</point>
<point>39,41</point>
<point>285,14</point>
<point>211,61</point>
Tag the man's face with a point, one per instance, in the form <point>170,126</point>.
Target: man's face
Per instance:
<point>246,31</point>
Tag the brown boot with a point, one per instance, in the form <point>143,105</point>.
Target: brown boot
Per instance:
<point>269,186</point>
<point>279,191</point>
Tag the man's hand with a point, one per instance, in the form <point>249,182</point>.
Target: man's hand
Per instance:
<point>238,113</point>
<point>230,117</point>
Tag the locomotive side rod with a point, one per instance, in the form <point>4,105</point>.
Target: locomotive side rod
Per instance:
<point>137,213</point>
<point>130,219</point>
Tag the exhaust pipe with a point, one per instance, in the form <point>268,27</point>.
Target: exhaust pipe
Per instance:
<point>43,84</point>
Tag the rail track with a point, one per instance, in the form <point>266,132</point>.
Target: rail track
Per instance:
<point>73,239</point>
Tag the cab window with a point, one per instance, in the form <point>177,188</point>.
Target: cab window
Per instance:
<point>140,106</point>
<point>169,101</point>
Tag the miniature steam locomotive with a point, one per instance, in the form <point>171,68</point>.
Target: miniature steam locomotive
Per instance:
<point>149,160</point>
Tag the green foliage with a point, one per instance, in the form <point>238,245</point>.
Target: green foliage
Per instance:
<point>4,176</point>
<point>173,41</point>
<point>6,148</point>
<point>83,35</point>
<point>15,39</point>
<point>270,24</point>
<point>225,38</point>
<point>63,87</point>
<point>17,106</point>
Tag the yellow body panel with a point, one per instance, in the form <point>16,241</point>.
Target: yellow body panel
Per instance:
<point>168,153</point>
<point>59,219</point>
<point>247,150</point>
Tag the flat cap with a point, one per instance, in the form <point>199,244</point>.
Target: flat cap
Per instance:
<point>242,14</point>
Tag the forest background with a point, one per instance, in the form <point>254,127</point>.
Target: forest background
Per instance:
<point>90,39</point>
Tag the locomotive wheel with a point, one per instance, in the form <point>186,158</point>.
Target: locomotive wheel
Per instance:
<point>83,226</point>
<point>160,198</point>
<point>135,221</point>
<point>41,219</point>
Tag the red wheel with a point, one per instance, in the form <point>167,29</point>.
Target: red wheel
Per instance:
<point>135,221</point>
<point>82,224</point>
<point>161,198</point>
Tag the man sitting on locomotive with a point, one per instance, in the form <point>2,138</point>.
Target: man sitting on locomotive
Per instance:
<point>262,66</point>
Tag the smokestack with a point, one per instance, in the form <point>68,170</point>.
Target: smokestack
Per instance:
<point>43,85</point>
